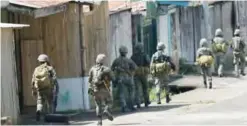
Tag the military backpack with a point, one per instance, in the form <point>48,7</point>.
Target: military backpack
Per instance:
<point>205,60</point>
<point>42,77</point>
<point>160,66</point>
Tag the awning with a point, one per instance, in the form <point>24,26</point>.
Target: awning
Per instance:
<point>9,25</point>
<point>169,2</point>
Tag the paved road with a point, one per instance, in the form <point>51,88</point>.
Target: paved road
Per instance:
<point>224,105</point>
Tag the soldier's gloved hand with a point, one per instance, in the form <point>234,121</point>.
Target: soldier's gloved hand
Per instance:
<point>34,93</point>
<point>90,91</point>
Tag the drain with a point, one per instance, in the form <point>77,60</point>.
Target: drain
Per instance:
<point>179,89</point>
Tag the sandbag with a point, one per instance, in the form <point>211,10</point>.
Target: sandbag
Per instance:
<point>160,68</point>
<point>205,60</point>
<point>219,47</point>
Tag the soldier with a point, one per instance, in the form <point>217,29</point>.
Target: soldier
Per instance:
<point>142,61</point>
<point>123,69</point>
<point>238,46</point>
<point>99,80</point>
<point>219,47</point>
<point>44,86</point>
<point>160,68</point>
<point>205,60</point>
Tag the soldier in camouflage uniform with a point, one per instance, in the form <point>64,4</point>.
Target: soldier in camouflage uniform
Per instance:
<point>46,98</point>
<point>162,79</point>
<point>204,50</point>
<point>220,56</point>
<point>123,68</point>
<point>238,47</point>
<point>99,80</point>
<point>142,61</point>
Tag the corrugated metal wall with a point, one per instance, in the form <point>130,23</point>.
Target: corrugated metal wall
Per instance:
<point>58,36</point>
<point>95,34</point>
<point>241,12</point>
<point>120,33</point>
<point>191,26</point>
<point>9,86</point>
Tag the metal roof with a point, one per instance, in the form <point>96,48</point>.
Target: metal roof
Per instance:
<point>45,3</point>
<point>9,25</point>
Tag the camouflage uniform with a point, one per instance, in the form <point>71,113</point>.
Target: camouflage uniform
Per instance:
<point>46,98</point>
<point>142,61</point>
<point>219,56</point>
<point>123,68</point>
<point>206,70</point>
<point>163,79</point>
<point>100,88</point>
<point>238,46</point>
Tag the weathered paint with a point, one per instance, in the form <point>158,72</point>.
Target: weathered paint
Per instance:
<point>120,33</point>
<point>73,94</point>
<point>163,31</point>
<point>9,85</point>
<point>191,26</point>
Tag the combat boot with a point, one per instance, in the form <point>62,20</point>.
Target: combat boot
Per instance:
<point>123,109</point>
<point>147,104</point>
<point>168,99</point>
<point>38,113</point>
<point>109,115</point>
<point>210,85</point>
<point>99,123</point>
<point>242,73</point>
<point>205,84</point>
<point>158,99</point>
<point>138,106</point>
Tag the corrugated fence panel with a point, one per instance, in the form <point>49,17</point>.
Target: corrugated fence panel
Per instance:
<point>30,50</point>
<point>120,33</point>
<point>227,30</point>
<point>9,86</point>
<point>241,10</point>
<point>187,35</point>
<point>95,36</point>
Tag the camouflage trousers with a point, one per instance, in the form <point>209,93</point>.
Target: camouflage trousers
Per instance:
<point>239,62</point>
<point>45,101</point>
<point>206,74</point>
<point>125,84</point>
<point>141,81</point>
<point>219,63</point>
<point>103,101</point>
<point>161,82</point>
